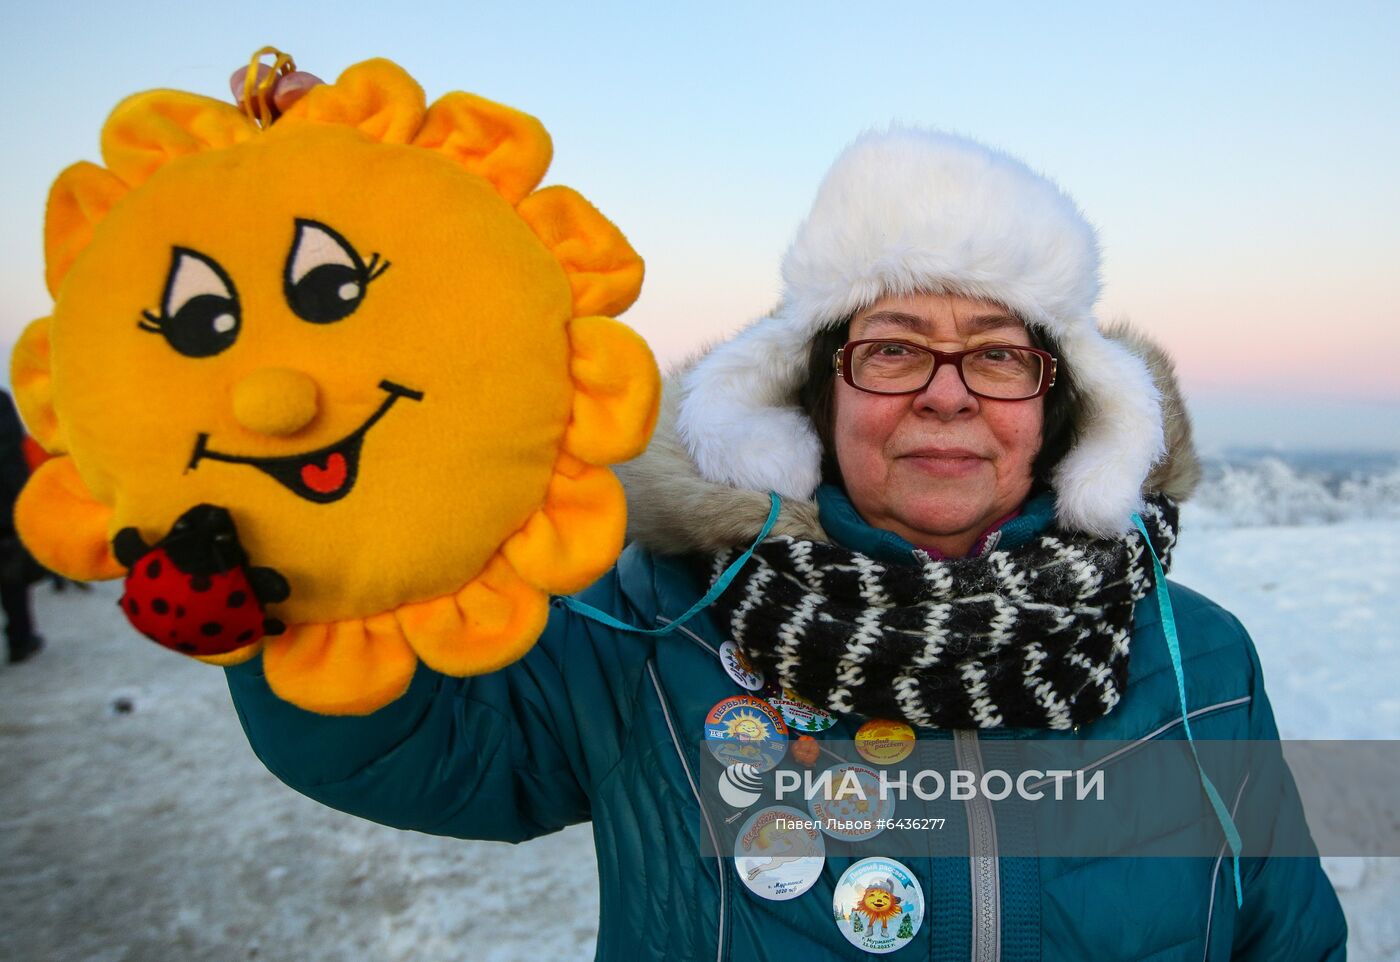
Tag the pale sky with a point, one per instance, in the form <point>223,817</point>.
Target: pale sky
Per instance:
<point>1239,161</point>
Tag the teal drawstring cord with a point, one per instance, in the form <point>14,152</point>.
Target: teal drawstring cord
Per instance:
<point>588,611</point>
<point>1164,606</point>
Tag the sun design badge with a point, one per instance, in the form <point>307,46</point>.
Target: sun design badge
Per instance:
<point>746,730</point>
<point>342,390</point>
<point>878,905</point>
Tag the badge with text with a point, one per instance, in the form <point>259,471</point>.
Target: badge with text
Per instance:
<point>779,854</point>
<point>800,714</point>
<point>737,666</point>
<point>746,730</point>
<point>879,905</point>
<point>850,805</point>
<point>884,742</point>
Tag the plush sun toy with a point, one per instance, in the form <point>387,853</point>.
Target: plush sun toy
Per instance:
<point>342,390</point>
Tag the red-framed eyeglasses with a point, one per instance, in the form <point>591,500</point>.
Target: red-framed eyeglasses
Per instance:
<point>999,372</point>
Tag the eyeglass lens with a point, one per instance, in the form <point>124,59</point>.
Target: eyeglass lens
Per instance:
<point>998,372</point>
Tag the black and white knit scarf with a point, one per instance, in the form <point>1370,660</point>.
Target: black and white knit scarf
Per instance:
<point>1035,636</point>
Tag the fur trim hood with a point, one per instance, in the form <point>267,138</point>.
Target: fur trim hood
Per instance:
<point>673,508</point>
<point>904,211</point>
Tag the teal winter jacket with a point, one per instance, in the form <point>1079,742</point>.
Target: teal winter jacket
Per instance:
<point>596,724</point>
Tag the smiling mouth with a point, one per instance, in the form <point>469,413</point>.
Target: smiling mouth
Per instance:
<point>321,476</point>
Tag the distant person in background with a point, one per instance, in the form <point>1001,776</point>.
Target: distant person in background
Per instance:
<point>17,569</point>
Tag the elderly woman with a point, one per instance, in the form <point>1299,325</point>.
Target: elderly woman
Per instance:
<point>959,454</point>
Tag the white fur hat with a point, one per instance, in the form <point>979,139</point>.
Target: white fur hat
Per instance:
<point>905,211</point>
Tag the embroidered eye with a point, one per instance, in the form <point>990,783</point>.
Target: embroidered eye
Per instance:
<point>199,314</point>
<point>326,279</point>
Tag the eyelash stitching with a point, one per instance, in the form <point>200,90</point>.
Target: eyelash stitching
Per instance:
<point>374,268</point>
<point>154,323</point>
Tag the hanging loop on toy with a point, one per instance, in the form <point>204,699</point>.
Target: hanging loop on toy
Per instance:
<point>257,86</point>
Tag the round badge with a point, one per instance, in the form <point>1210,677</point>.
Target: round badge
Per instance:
<point>851,808</point>
<point>884,742</point>
<point>779,854</point>
<point>737,666</point>
<point>800,714</point>
<point>746,730</point>
<point>879,905</point>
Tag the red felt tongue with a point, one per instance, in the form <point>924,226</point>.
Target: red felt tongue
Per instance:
<point>327,479</point>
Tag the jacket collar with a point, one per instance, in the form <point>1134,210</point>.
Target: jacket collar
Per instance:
<point>847,528</point>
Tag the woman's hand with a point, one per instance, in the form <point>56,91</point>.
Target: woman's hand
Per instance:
<point>286,90</point>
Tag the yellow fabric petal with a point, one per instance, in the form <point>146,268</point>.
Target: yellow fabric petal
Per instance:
<point>617,391</point>
<point>31,378</point>
<point>490,623</point>
<point>376,97</point>
<point>149,130</point>
<point>576,535</point>
<point>349,667</point>
<point>236,657</point>
<point>79,199</point>
<point>63,525</point>
<point>510,149</point>
<point>604,271</point>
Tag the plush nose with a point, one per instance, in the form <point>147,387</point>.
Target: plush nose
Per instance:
<point>275,400</point>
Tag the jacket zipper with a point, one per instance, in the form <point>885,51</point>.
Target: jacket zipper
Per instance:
<point>982,856</point>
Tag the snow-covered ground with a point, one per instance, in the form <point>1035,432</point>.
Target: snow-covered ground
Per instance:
<point>154,834</point>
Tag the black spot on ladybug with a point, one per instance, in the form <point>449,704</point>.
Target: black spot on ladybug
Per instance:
<point>133,607</point>
<point>179,611</point>
<point>153,569</point>
<point>160,606</point>
<point>200,583</point>
<point>186,647</point>
<point>245,636</point>
<point>210,628</point>
<point>236,599</point>
<point>268,584</point>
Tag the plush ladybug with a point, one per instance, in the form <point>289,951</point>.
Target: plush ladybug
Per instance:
<point>194,591</point>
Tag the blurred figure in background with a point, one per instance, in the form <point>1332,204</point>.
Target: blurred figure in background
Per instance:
<point>17,569</point>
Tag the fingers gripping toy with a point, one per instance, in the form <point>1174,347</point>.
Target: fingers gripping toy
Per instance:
<point>341,390</point>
